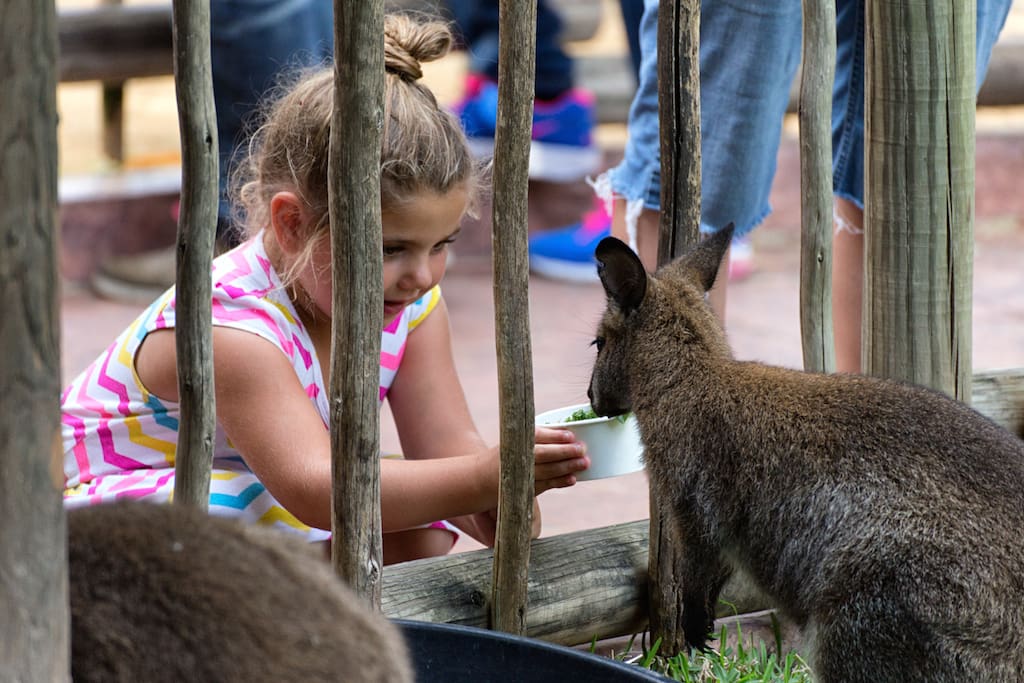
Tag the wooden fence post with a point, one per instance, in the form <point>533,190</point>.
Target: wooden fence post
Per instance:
<point>816,79</point>
<point>679,126</point>
<point>34,631</point>
<point>919,192</point>
<point>197,221</point>
<point>516,66</point>
<point>679,228</point>
<point>358,315</point>
<point>113,112</point>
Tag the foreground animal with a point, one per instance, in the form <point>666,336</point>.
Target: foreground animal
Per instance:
<point>164,593</point>
<point>885,519</point>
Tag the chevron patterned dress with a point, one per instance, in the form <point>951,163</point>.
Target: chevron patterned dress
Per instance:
<point>119,440</point>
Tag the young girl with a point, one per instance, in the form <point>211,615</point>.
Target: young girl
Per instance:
<point>272,336</point>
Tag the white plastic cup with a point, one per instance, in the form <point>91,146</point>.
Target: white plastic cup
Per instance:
<point>613,443</point>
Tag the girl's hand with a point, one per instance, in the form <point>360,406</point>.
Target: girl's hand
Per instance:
<point>558,456</point>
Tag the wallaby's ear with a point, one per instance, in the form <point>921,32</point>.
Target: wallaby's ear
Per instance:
<point>706,257</point>
<point>621,272</point>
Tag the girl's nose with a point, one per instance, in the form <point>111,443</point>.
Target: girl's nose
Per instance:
<point>419,275</point>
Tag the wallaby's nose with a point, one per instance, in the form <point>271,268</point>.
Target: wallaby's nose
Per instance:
<point>590,395</point>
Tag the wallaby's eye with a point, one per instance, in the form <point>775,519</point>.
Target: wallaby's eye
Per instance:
<point>599,343</point>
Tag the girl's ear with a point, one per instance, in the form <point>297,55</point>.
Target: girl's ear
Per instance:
<point>621,273</point>
<point>288,221</point>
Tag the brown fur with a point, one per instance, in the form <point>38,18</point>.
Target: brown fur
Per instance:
<point>885,519</point>
<point>164,593</point>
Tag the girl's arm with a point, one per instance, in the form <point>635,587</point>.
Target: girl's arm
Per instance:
<point>433,421</point>
<point>270,420</point>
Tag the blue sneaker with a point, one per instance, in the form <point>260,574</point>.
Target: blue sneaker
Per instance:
<point>562,148</point>
<point>568,253</point>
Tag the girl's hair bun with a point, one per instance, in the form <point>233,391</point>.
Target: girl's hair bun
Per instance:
<point>409,42</point>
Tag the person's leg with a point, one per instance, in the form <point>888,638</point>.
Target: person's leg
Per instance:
<point>848,164</point>
<point>745,90</point>
<point>744,93</point>
<point>632,14</point>
<point>848,181</point>
<point>563,118</point>
<point>554,75</point>
<point>847,282</point>
<point>415,544</point>
<point>476,21</point>
<point>252,43</point>
<point>635,183</point>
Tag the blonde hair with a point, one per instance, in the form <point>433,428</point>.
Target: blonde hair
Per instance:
<point>423,147</point>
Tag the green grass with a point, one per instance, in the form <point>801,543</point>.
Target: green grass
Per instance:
<point>739,663</point>
<point>582,414</point>
<point>589,414</point>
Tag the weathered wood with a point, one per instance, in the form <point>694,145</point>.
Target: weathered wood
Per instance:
<point>919,192</point>
<point>113,112</point>
<point>819,67</point>
<point>34,636</point>
<point>112,43</point>
<point>197,223</point>
<point>358,316</point>
<point>516,71</point>
<point>113,120</point>
<point>679,227</point>
<point>679,116</point>
<point>1004,80</point>
<point>583,585</point>
<point>999,394</point>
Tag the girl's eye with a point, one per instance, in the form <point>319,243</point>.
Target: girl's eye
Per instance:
<point>599,343</point>
<point>392,251</point>
<point>439,247</point>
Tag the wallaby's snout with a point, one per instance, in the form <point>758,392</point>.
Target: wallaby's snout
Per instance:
<point>605,407</point>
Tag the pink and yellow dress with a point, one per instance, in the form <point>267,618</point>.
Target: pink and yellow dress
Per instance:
<point>119,439</point>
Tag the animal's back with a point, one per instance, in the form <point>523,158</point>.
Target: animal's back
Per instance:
<point>164,593</point>
<point>892,519</point>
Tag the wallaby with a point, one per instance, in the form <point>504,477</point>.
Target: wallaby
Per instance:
<point>167,593</point>
<point>885,519</point>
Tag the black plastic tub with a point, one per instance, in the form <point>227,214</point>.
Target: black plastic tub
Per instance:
<point>446,653</point>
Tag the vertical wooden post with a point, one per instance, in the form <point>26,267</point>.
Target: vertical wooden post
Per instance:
<point>358,308</point>
<point>679,121</point>
<point>113,113</point>
<point>516,71</point>
<point>197,221</point>
<point>679,115</point>
<point>919,192</point>
<point>817,76</point>
<point>34,631</point>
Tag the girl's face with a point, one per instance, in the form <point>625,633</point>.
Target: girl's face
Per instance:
<point>416,238</point>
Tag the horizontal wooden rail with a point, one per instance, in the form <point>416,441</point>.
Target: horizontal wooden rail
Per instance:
<point>582,585</point>
<point>114,43</point>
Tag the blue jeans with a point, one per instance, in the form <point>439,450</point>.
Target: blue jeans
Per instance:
<point>745,85</point>
<point>477,23</point>
<point>252,42</point>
